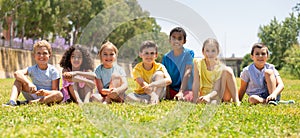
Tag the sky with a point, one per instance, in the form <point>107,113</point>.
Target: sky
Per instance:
<point>234,23</point>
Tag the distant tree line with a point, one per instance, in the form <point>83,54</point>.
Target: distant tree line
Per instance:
<point>42,19</point>
<point>282,41</point>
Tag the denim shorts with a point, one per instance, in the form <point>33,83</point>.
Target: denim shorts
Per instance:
<point>266,94</point>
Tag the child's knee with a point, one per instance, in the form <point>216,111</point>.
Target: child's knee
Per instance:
<point>21,86</point>
<point>252,100</point>
<point>58,95</point>
<point>115,76</point>
<point>269,72</point>
<point>158,75</point>
<point>228,71</point>
<point>255,99</point>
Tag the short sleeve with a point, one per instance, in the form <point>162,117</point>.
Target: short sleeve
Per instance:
<point>245,75</point>
<point>98,72</point>
<point>29,70</point>
<point>189,57</point>
<point>122,72</point>
<point>136,72</point>
<point>164,70</point>
<point>54,73</point>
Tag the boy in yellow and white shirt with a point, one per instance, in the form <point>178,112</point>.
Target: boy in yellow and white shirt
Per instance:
<point>151,78</point>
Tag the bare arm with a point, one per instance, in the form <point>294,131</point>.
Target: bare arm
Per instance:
<point>55,84</point>
<point>78,78</point>
<point>196,83</point>
<point>185,79</point>
<point>89,75</point>
<point>99,86</point>
<point>242,89</point>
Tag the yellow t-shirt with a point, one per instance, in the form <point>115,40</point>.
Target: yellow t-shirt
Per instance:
<point>208,78</point>
<point>146,75</point>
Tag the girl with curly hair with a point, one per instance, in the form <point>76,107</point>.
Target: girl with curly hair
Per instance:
<point>78,75</point>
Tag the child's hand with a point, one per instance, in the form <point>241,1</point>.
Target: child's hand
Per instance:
<point>68,76</point>
<point>114,94</point>
<point>147,89</point>
<point>271,97</point>
<point>32,88</point>
<point>106,91</point>
<point>179,96</point>
<point>204,99</point>
<point>40,92</point>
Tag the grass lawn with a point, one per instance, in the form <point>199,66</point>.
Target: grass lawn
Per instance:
<point>168,119</point>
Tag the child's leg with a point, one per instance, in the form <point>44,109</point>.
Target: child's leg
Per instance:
<point>51,97</point>
<point>73,89</point>
<point>133,97</point>
<point>87,94</point>
<point>96,97</point>
<point>271,80</point>
<point>229,83</point>
<point>17,88</point>
<point>158,92</point>
<point>116,81</point>
<point>255,99</point>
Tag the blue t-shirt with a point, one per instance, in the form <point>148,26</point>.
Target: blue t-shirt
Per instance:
<point>176,66</point>
<point>104,74</point>
<point>42,79</point>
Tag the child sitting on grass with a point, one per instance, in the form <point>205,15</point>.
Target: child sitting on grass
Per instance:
<point>151,78</point>
<point>44,87</point>
<point>179,64</point>
<point>260,80</point>
<point>213,80</point>
<point>78,78</point>
<point>111,79</point>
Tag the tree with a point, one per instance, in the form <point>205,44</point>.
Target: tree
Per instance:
<point>246,61</point>
<point>124,23</point>
<point>292,58</point>
<point>279,37</point>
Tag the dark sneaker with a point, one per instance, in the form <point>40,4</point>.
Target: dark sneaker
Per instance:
<point>22,102</point>
<point>273,103</point>
<point>10,103</point>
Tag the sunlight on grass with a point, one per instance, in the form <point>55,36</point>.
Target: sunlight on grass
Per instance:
<point>168,119</point>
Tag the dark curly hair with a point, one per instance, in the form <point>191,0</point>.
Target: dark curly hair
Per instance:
<point>87,62</point>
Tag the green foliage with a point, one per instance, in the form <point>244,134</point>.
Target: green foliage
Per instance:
<point>118,21</point>
<point>126,25</point>
<point>246,61</point>
<point>280,37</point>
<point>292,58</point>
<point>225,120</point>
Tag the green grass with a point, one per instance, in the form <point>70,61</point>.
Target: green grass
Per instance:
<point>168,119</point>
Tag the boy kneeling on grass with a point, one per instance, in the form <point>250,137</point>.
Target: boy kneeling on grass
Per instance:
<point>151,78</point>
<point>45,79</point>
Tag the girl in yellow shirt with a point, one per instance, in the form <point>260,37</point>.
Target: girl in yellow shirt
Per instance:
<point>213,81</point>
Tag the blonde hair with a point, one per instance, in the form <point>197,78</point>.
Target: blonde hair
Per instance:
<point>108,44</point>
<point>42,43</point>
<point>211,41</point>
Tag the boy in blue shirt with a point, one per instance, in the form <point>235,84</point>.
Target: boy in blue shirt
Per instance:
<point>179,63</point>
